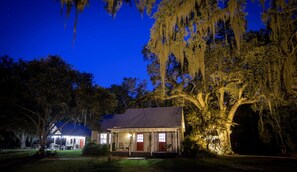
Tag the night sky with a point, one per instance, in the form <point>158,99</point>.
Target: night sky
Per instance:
<point>108,48</point>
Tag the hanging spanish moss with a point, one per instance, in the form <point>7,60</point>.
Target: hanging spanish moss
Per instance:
<point>280,17</point>
<point>79,6</point>
<point>182,28</point>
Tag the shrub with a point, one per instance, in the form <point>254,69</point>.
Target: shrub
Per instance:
<point>192,150</point>
<point>93,149</point>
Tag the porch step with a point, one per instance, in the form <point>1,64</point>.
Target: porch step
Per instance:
<point>120,153</point>
<point>140,154</point>
<point>165,154</point>
<point>147,154</point>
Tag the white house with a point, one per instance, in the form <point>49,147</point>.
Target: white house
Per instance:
<point>145,131</point>
<point>69,136</point>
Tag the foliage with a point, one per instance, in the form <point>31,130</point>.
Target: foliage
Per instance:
<point>190,148</point>
<point>185,28</point>
<point>94,149</point>
<point>127,94</point>
<point>232,79</point>
<point>41,92</point>
<point>92,101</point>
<point>203,61</point>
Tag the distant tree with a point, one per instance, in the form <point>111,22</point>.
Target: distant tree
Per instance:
<point>91,101</point>
<point>9,88</point>
<point>11,118</point>
<point>127,93</point>
<point>48,92</point>
<point>37,94</point>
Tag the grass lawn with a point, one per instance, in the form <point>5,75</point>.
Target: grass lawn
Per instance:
<point>72,160</point>
<point>14,153</point>
<point>69,153</point>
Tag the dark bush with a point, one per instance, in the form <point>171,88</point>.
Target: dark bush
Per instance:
<point>190,148</point>
<point>49,153</point>
<point>93,149</point>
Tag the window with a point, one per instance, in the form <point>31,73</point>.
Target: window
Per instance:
<point>103,138</point>
<point>139,137</point>
<point>162,137</point>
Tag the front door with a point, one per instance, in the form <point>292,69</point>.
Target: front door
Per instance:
<point>139,140</point>
<point>81,143</point>
<point>162,141</point>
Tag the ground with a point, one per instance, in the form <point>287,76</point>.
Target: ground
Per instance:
<point>72,160</point>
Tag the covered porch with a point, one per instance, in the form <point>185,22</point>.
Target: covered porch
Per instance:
<point>143,141</point>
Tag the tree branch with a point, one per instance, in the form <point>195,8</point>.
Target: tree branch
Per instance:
<point>28,110</point>
<point>185,96</point>
<point>35,123</point>
<point>241,91</point>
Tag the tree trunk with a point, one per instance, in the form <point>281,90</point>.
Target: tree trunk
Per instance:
<point>225,135</point>
<point>42,142</point>
<point>42,146</point>
<point>225,140</point>
<point>23,139</point>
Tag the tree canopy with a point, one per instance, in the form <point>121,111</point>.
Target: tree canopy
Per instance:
<point>184,28</point>
<point>41,92</point>
<point>205,56</point>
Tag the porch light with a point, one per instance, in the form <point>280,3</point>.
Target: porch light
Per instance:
<point>129,135</point>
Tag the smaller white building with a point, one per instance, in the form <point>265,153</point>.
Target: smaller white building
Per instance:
<point>68,136</point>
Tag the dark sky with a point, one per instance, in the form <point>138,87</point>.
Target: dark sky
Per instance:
<point>108,48</point>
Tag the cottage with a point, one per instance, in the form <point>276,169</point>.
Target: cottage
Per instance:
<point>68,136</point>
<point>143,131</point>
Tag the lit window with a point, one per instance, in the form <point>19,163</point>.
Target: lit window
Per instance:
<point>162,137</point>
<point>139,137</point>
<point>103,138</point>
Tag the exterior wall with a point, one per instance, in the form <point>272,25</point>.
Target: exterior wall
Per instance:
<point>123,141</point>
<point>70,142</point>
<point>146,141</point>
<point>155,142</point>
<point>95,136</point>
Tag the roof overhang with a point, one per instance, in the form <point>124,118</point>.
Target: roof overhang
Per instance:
<point>144,129</point>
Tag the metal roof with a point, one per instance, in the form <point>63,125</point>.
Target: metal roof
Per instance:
<point>162,117</point>
<point>73,129</point>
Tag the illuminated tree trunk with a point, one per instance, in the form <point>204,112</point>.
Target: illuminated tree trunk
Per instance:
<point>225,141</point>
<point>224,133</point>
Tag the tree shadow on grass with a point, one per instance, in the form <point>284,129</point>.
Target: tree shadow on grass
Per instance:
<point>13,163</point>
<point>94,165</point>
<point>181,164</point>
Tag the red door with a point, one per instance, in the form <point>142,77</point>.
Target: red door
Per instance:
<point>162,142</point>
<point>139,140</point>
<point>81,143</point>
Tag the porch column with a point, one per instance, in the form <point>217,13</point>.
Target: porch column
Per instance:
<point>152,142</point>
<point>131,145</point>
<point>110,143</point>
<point>98,138</point>
<point>178,142</point>
<point>175,141</point>
<point>117,145</point>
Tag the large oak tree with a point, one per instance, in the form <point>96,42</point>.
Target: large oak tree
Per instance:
<point>189,29</point>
